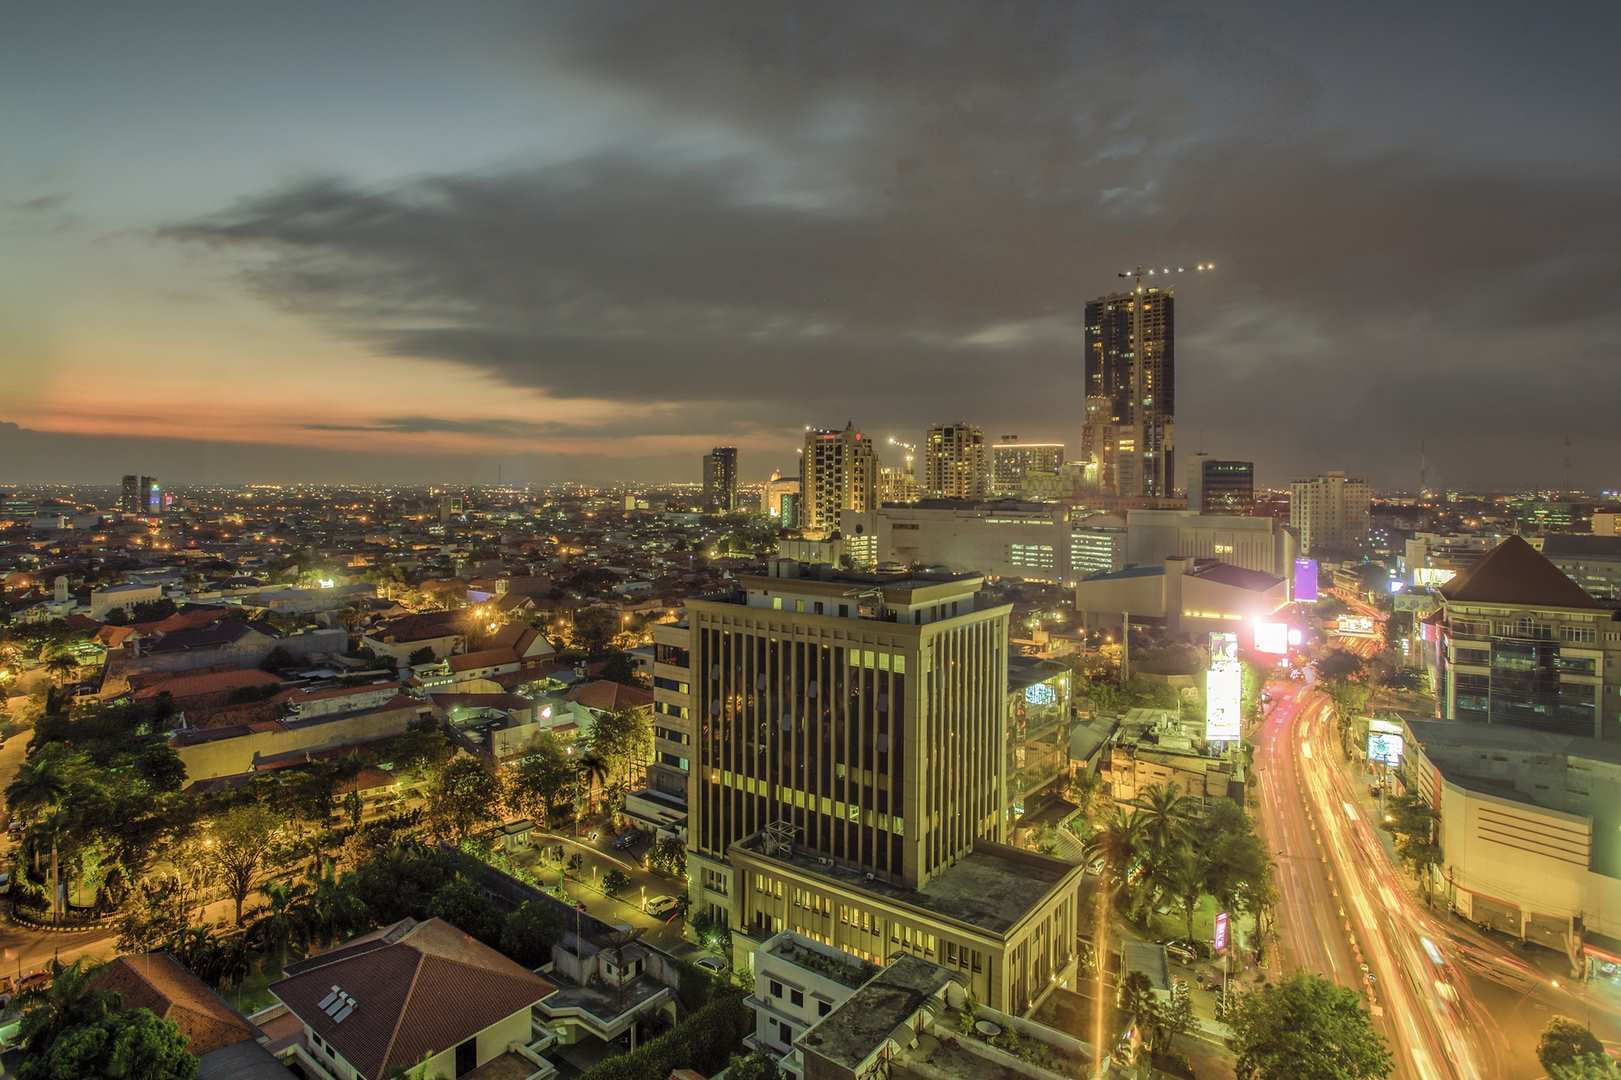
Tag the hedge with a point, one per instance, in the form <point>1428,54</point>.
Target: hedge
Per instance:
<point>705,1041</point>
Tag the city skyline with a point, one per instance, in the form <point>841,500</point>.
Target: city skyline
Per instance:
<point>547,251</point>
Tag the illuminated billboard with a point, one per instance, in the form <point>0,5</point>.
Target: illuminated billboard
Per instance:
<point>1432,575</point>
<point>1355,626</point>
<point>1384,746</point>
<point>1219,938</point>
<point>1040,694</point>
<point>1306,579</point>
<point>1271,637</point>
<point>1224,690</point>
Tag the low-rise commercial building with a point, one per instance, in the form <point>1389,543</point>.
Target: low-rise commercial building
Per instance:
<point>1182,595</point>
<point>1525,824</point>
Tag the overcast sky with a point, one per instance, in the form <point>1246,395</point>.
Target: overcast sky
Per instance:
<point>589,240</point>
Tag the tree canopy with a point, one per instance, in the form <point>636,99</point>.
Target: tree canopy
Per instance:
<point>1307,1028</point>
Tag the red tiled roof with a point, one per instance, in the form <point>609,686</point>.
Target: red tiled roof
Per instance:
<point>605,696</point>
<point>483,658</point>
<point>1514,572</point>
<point>420,989</point>
<point>217,682</point>
<point>157,982</point>
<point>422,627</point>
<point>191,618</point>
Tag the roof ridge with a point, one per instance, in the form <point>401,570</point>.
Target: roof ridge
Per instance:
<point>405,1004</point>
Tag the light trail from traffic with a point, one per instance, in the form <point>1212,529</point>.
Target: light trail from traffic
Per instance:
<point>1346,910</point>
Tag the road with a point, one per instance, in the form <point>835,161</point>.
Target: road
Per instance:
<point>1342,902</point>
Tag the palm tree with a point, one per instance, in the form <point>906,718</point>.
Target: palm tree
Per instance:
<point>335,910</point>
<point>39,783</point>
<point>70,1000</point>
<point>60,666</point>
<point>1183,878</point>
<point>1117,844</point>
<point>1168,817</point>
<point>283,923</point>
<point>591,771</point>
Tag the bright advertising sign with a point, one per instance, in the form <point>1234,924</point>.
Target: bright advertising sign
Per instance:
<point>1385,742</point>
<point>1219,943</point>
<point>1384,747</point>
<point>1224,690</point>
<point>1306,579</point>
<point>1432,575</point>
<point>1271,637</point>
<point>1040,694</point>
<point>1355,626</point>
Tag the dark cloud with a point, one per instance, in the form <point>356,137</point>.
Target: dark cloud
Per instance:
<point>422,425</point>
<point>51,457</point>
<point>897,216</point>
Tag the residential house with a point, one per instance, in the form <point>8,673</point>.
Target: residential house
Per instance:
<point>418,996</point>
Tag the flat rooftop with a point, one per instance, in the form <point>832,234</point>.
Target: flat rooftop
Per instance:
<point>1455,736</point>
<point>854,1031</point>
<point>991,888</point>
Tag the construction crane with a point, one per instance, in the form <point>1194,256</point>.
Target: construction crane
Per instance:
<point>1164,481</point>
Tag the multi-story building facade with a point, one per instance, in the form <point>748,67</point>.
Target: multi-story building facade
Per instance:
<point>1221,487</point>
<point>1519,643</point>
<point>1254,543</point>
<point>670,770</point>
<point>1331,513</point>
<point>1593,562</point>
<point>1000,540</point>
<point>850,777</point>
<point>720,480</point>
<point>1012,461</point>
<point>954,462</point>
<point>1132,441</point>
<point>840,472</point>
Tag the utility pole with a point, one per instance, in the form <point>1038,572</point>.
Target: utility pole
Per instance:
<point>1163,481</point>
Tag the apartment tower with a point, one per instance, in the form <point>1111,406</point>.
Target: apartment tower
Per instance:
<point>954,462</point>
<point>839,472</point>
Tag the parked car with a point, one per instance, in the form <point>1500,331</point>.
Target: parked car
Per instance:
<point>712,965</point>
<point>628,840</point>
<point>660,906</point>
<point>1187,950</point>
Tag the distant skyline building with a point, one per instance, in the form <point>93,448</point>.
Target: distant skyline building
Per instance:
<point>720,480</point>
<point>1221,487</point>
<point>840,472</point>
<point>1331,512</point>
<point>1012,461</point>
<point>1132,442</point>
<point>954,462</point>
<point>142,495</point>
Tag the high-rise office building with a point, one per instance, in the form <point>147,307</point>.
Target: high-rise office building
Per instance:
<point>1331,513</point>
<point>142,495</point>
<point>850,777</point>
<point>954,462</point>
<point>1012,461</point>
<point>839,472</point>
<point>1132,441</point>
<point>1221,487</point>
<point>720,480</point>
